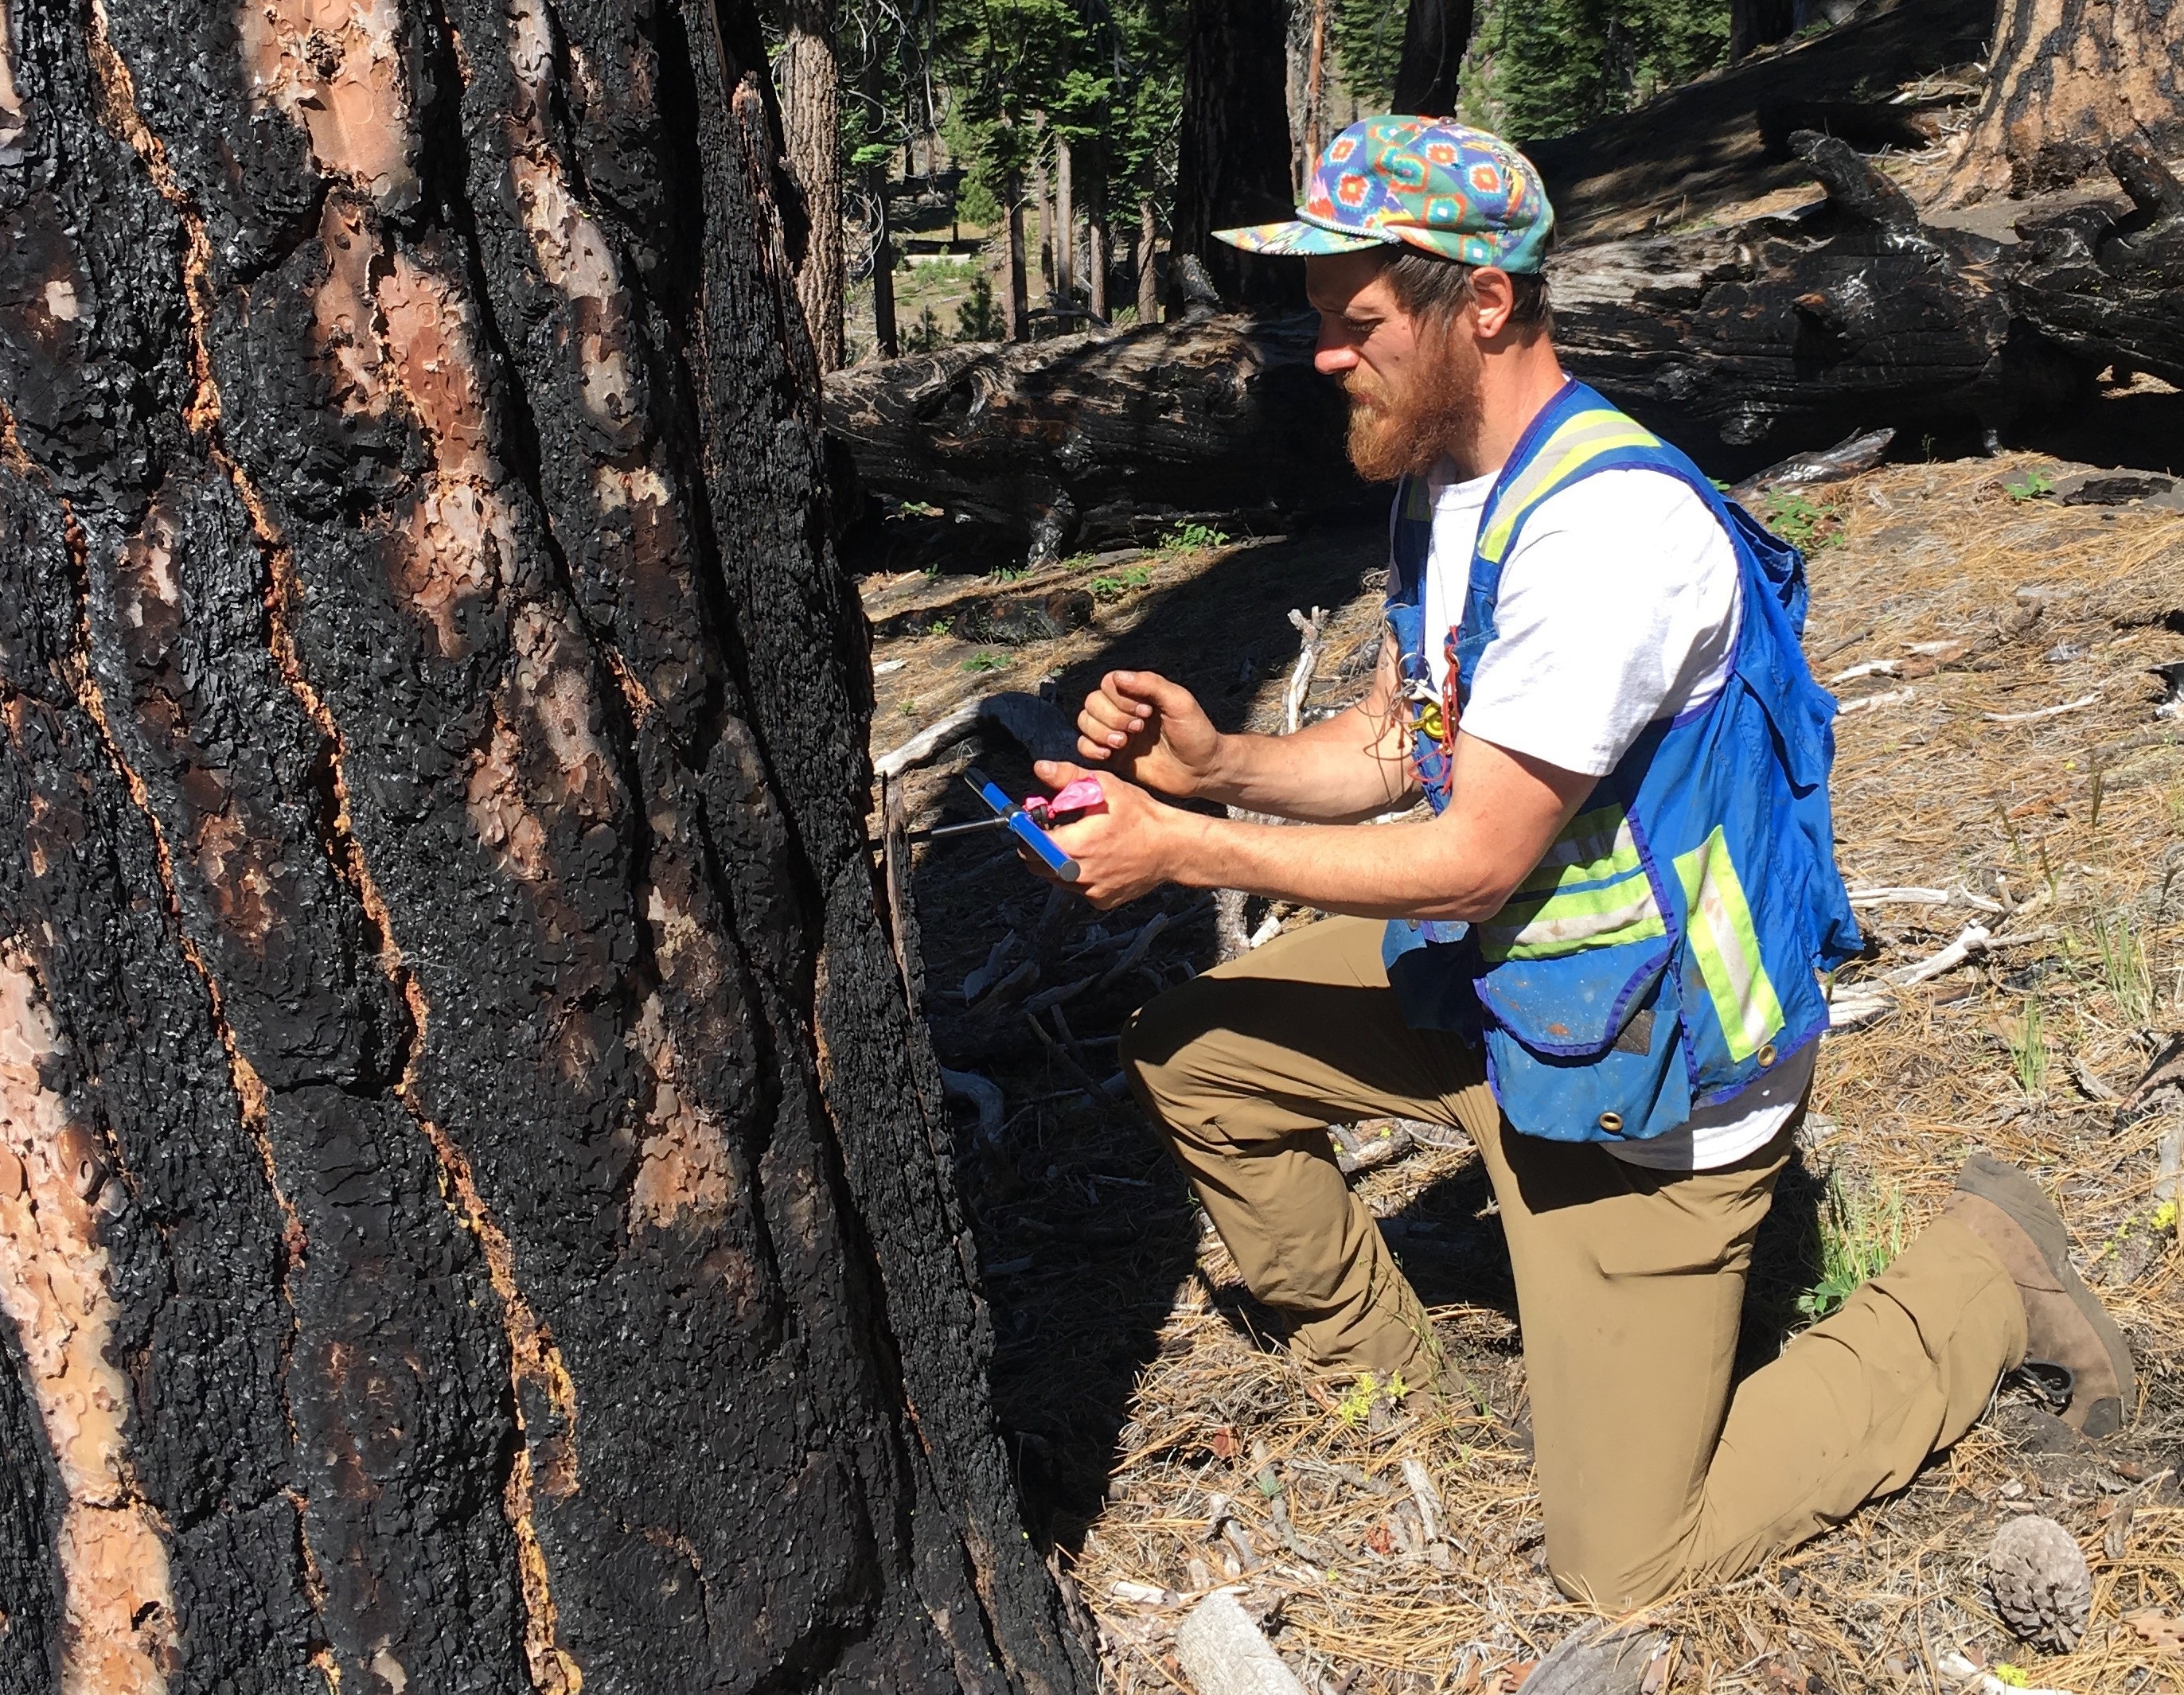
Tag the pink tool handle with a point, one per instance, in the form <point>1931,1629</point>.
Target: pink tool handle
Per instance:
<point>1081,795</point>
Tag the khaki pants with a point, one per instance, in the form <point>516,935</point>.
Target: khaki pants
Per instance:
<point>1629,1282</point>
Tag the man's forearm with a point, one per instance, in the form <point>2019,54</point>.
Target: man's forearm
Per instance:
<point>1350,766</point>
<point>1393,871</point>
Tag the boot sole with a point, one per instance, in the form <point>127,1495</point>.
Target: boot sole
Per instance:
<point>2014,1194</point>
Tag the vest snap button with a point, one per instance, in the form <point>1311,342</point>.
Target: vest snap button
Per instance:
<point>1766,1055</point>
<point>1612,1123</point>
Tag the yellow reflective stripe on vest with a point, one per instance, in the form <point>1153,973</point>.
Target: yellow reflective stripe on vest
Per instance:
<point>1621,911</point>
<point>1593,847</point>
<point>1727,948</point>
<point>1567,450</point>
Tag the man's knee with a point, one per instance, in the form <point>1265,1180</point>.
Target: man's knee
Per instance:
<point>1613,1572</point>
<point>1155,1052</point>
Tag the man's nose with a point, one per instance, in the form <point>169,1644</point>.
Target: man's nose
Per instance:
<point>1336,352</point>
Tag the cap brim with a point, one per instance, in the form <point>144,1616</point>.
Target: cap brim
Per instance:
<point>1295,238</point>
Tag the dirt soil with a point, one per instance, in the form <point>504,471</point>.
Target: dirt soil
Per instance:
<point>2001,744</point>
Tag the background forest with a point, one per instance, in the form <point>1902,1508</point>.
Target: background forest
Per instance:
<point>969,130</point>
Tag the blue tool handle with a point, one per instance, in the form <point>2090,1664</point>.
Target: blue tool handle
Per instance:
<point>1032,836</point>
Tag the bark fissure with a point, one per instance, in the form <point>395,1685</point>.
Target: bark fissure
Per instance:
<point>533,1357</point>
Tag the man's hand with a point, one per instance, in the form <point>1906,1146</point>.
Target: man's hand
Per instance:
<point>1140,725</point>
<point>1129,849</point>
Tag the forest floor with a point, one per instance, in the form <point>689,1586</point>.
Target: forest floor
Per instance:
<point>2001,744</point>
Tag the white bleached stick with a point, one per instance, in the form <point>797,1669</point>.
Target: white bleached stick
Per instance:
<point>2044,712</point>
<point>1222,1652</point>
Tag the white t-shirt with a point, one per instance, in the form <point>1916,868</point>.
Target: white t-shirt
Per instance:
<point>1618,606</point>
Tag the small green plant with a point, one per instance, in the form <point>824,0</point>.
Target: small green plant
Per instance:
<point>1805,524</point>
<point>1186,538</point>
<point>920,509</point>
<point>940,626</point>
<point>1009,574</point>
<point>908,709</point>
<point>1355,1407</point>
<point>985,661</point>
<point>2124,968</point>
<point>2030,485</point>
<point>2026,1038</point>
<point>1121,583</point>
<point>1860,1234</point>
<point>2016,1676</point>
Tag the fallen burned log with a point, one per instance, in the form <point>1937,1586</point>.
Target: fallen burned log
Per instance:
<point>1741,344</point>
<point>1044,447</point>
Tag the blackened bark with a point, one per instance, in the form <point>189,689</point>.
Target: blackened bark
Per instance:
<point>1233,167</point>
<point>1435,33</point>
<point>1758,23</point>
<point>462,1133</point>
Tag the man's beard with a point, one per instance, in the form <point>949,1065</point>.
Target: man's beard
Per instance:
<point>1434,413</point>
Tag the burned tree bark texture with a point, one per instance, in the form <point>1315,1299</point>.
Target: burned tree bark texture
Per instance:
<point>2067,80</point>
<point>1744,344</point>
<point>1233,159</point>
<point>475,1206</point>
<point>1088,441</point>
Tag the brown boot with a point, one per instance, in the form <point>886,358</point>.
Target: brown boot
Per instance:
<point>2066,1328</point>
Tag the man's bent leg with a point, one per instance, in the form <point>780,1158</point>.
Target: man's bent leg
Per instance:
<point>1629,1289</point>
<point>1857,1404</point>
<point>1243,1069</point>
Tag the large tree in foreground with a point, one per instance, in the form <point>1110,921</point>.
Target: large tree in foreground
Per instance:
<point>474,1204</point>
<point>2067,81</point>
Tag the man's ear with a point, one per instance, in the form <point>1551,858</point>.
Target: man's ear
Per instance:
<point>1493,298</point>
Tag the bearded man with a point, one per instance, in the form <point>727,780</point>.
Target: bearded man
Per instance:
<point>1602,955</point>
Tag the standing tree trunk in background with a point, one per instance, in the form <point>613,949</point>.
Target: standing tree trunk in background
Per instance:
<point>476,1213</point>
<point>1755,24</point>
<point>1435,33</point>
<point>1018,307</point>
<point>1315,89</point>
<point>1064,242</point>
<point>1043,204</point>
<point>2068,78</point>
<point>1232,166</point>
<point>811,122</point>
<point>1094,172</point>
<point>885,337</point>
<point>1148,264</point>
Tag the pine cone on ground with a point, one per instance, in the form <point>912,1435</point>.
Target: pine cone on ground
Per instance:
<point>2042,1588</point>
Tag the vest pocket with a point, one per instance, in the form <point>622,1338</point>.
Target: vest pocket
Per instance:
<point>1585,1047</point>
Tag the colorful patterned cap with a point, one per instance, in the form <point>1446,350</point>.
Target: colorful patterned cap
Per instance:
<point>1450,189</point>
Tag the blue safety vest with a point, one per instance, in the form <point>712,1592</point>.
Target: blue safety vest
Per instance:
<point>1666,951</point>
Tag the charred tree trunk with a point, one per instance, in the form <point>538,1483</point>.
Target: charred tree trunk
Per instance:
<point>1759,24</point>
<point>2068,80</point>
<point>1018,309</point>
<point>1435,33</point>
<point>1233,163</point>
<point>811,120</point>
<point>1148,264</point>
<point>474,1205</point>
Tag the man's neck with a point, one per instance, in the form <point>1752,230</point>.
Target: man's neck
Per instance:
<point>1515,385</point>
